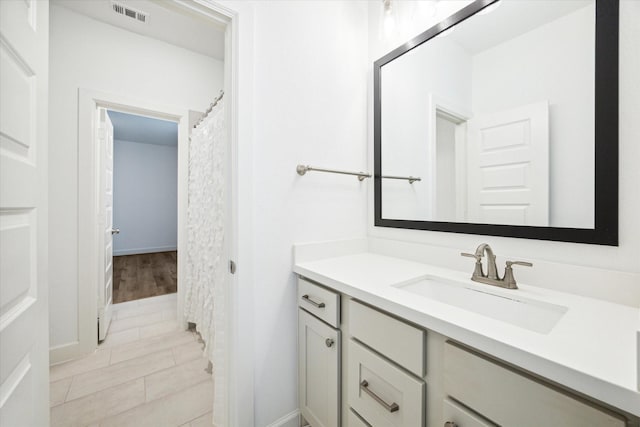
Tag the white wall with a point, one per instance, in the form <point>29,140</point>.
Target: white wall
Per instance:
<point>607,272</point>
<point>85,53</point>
<point>310,63</point>
<point>412,83</point>
<point>555,63</point>
<point>145,197</point>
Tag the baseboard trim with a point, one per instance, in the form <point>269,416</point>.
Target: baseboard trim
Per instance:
<point>136,251</point>
<point>292,419</point>
<point>69,351</point>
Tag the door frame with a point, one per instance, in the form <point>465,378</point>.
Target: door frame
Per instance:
<point>237,18</point>
<point>458,115</point>
<point>88,210</point>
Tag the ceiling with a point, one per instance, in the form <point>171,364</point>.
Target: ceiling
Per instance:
<point>129,127</point>
<point>509,20</point>
<point>165,21</point>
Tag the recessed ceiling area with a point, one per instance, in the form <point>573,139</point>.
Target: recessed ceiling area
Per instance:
<point>146,130</point>
<point>163,21</point>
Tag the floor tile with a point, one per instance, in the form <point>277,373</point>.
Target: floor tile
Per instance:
<point>96,360</point>
<point>188,351</point>
<point>100,379</point>
<point>58,391</point>
<point>96,406</point>
<point>145,309</point>
<point>204,421</point>
<point>176,378</point>
<point>150,345</point>
<point>172,410</point>
<point>158,328</point>
<point>135,321</point>
<point>170,314</point>
<point>118,338</point>
<point>173,298</point>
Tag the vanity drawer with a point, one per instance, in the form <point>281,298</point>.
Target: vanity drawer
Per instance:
<point>459,416</point>
<point>382,393</point>
<point>395,339</point>
<point>511,398</point>
<point>321,302</point>
<point>355,420</point>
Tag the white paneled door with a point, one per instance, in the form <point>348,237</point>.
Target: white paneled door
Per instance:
<point>508,166</point>
<point>24,331</point>
<point>104,139</point>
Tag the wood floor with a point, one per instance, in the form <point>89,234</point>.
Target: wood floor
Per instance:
<point>144,275</point>
<point>147,372</point>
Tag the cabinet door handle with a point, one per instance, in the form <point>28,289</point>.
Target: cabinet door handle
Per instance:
<point>450,424</point>
<point>364,386</point>
<point>329,342</point>
<point>312,302</point>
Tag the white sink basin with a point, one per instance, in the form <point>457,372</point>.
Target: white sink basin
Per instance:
<point>525,313</point>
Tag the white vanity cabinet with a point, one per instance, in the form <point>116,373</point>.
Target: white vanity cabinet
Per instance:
<point>510,397</point>
<point>362,366</point>
<point>319,344</point>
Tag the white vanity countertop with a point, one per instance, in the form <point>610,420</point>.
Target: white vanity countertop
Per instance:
<point>592,349</point>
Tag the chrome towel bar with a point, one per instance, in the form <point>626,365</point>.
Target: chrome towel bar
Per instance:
<point>411,179</point>
<point>302,169</point>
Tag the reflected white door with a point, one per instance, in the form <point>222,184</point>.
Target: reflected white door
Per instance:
<point>104,139</point>
<point>508,167</point>
<point>24,312</point>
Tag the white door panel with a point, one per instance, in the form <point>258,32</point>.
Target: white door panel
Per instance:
<point>24,352</point>
<point>508,167</point>
<point>105,208</point>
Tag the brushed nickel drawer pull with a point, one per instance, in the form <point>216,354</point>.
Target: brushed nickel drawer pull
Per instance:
<point>312,302</point>
<point>364,386</point>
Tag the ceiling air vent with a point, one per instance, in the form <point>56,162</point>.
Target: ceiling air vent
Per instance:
<point>121,9</point>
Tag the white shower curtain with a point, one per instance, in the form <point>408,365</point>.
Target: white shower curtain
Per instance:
<point>206,278</point>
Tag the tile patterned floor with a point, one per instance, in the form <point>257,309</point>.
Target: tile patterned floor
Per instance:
<point>147,372</point>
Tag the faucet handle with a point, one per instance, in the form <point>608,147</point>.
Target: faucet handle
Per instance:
<point>524,263</point>
<point>477,257</point>
<point>508,279</point>
<point>477,269</point>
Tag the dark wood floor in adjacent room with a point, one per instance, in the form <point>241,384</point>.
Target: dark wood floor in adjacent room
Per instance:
<point>144,275</point>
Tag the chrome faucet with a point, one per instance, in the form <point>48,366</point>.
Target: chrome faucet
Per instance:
<point>492,278</point>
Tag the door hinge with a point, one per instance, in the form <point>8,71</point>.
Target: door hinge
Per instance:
<point>232,267</point>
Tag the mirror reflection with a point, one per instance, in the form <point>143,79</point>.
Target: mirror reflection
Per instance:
<point>496,118</point>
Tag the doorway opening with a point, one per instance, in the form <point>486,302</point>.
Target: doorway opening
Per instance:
<point>163,81</point>
<point>145,206</point>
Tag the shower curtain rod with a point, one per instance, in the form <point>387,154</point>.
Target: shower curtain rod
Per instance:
<point>206,113</point>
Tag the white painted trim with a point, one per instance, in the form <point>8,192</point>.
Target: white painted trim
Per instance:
<point>460,115</point>
<point>135,251</point>
<point>88,251</point>
<point>238,72</point>
<point>64,352</point>
<point>292,419</point>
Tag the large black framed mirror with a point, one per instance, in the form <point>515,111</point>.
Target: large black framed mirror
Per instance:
<point>502,120</point>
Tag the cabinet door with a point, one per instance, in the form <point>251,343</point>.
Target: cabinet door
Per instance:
<point>318,371</point>
<point>355,420</point>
